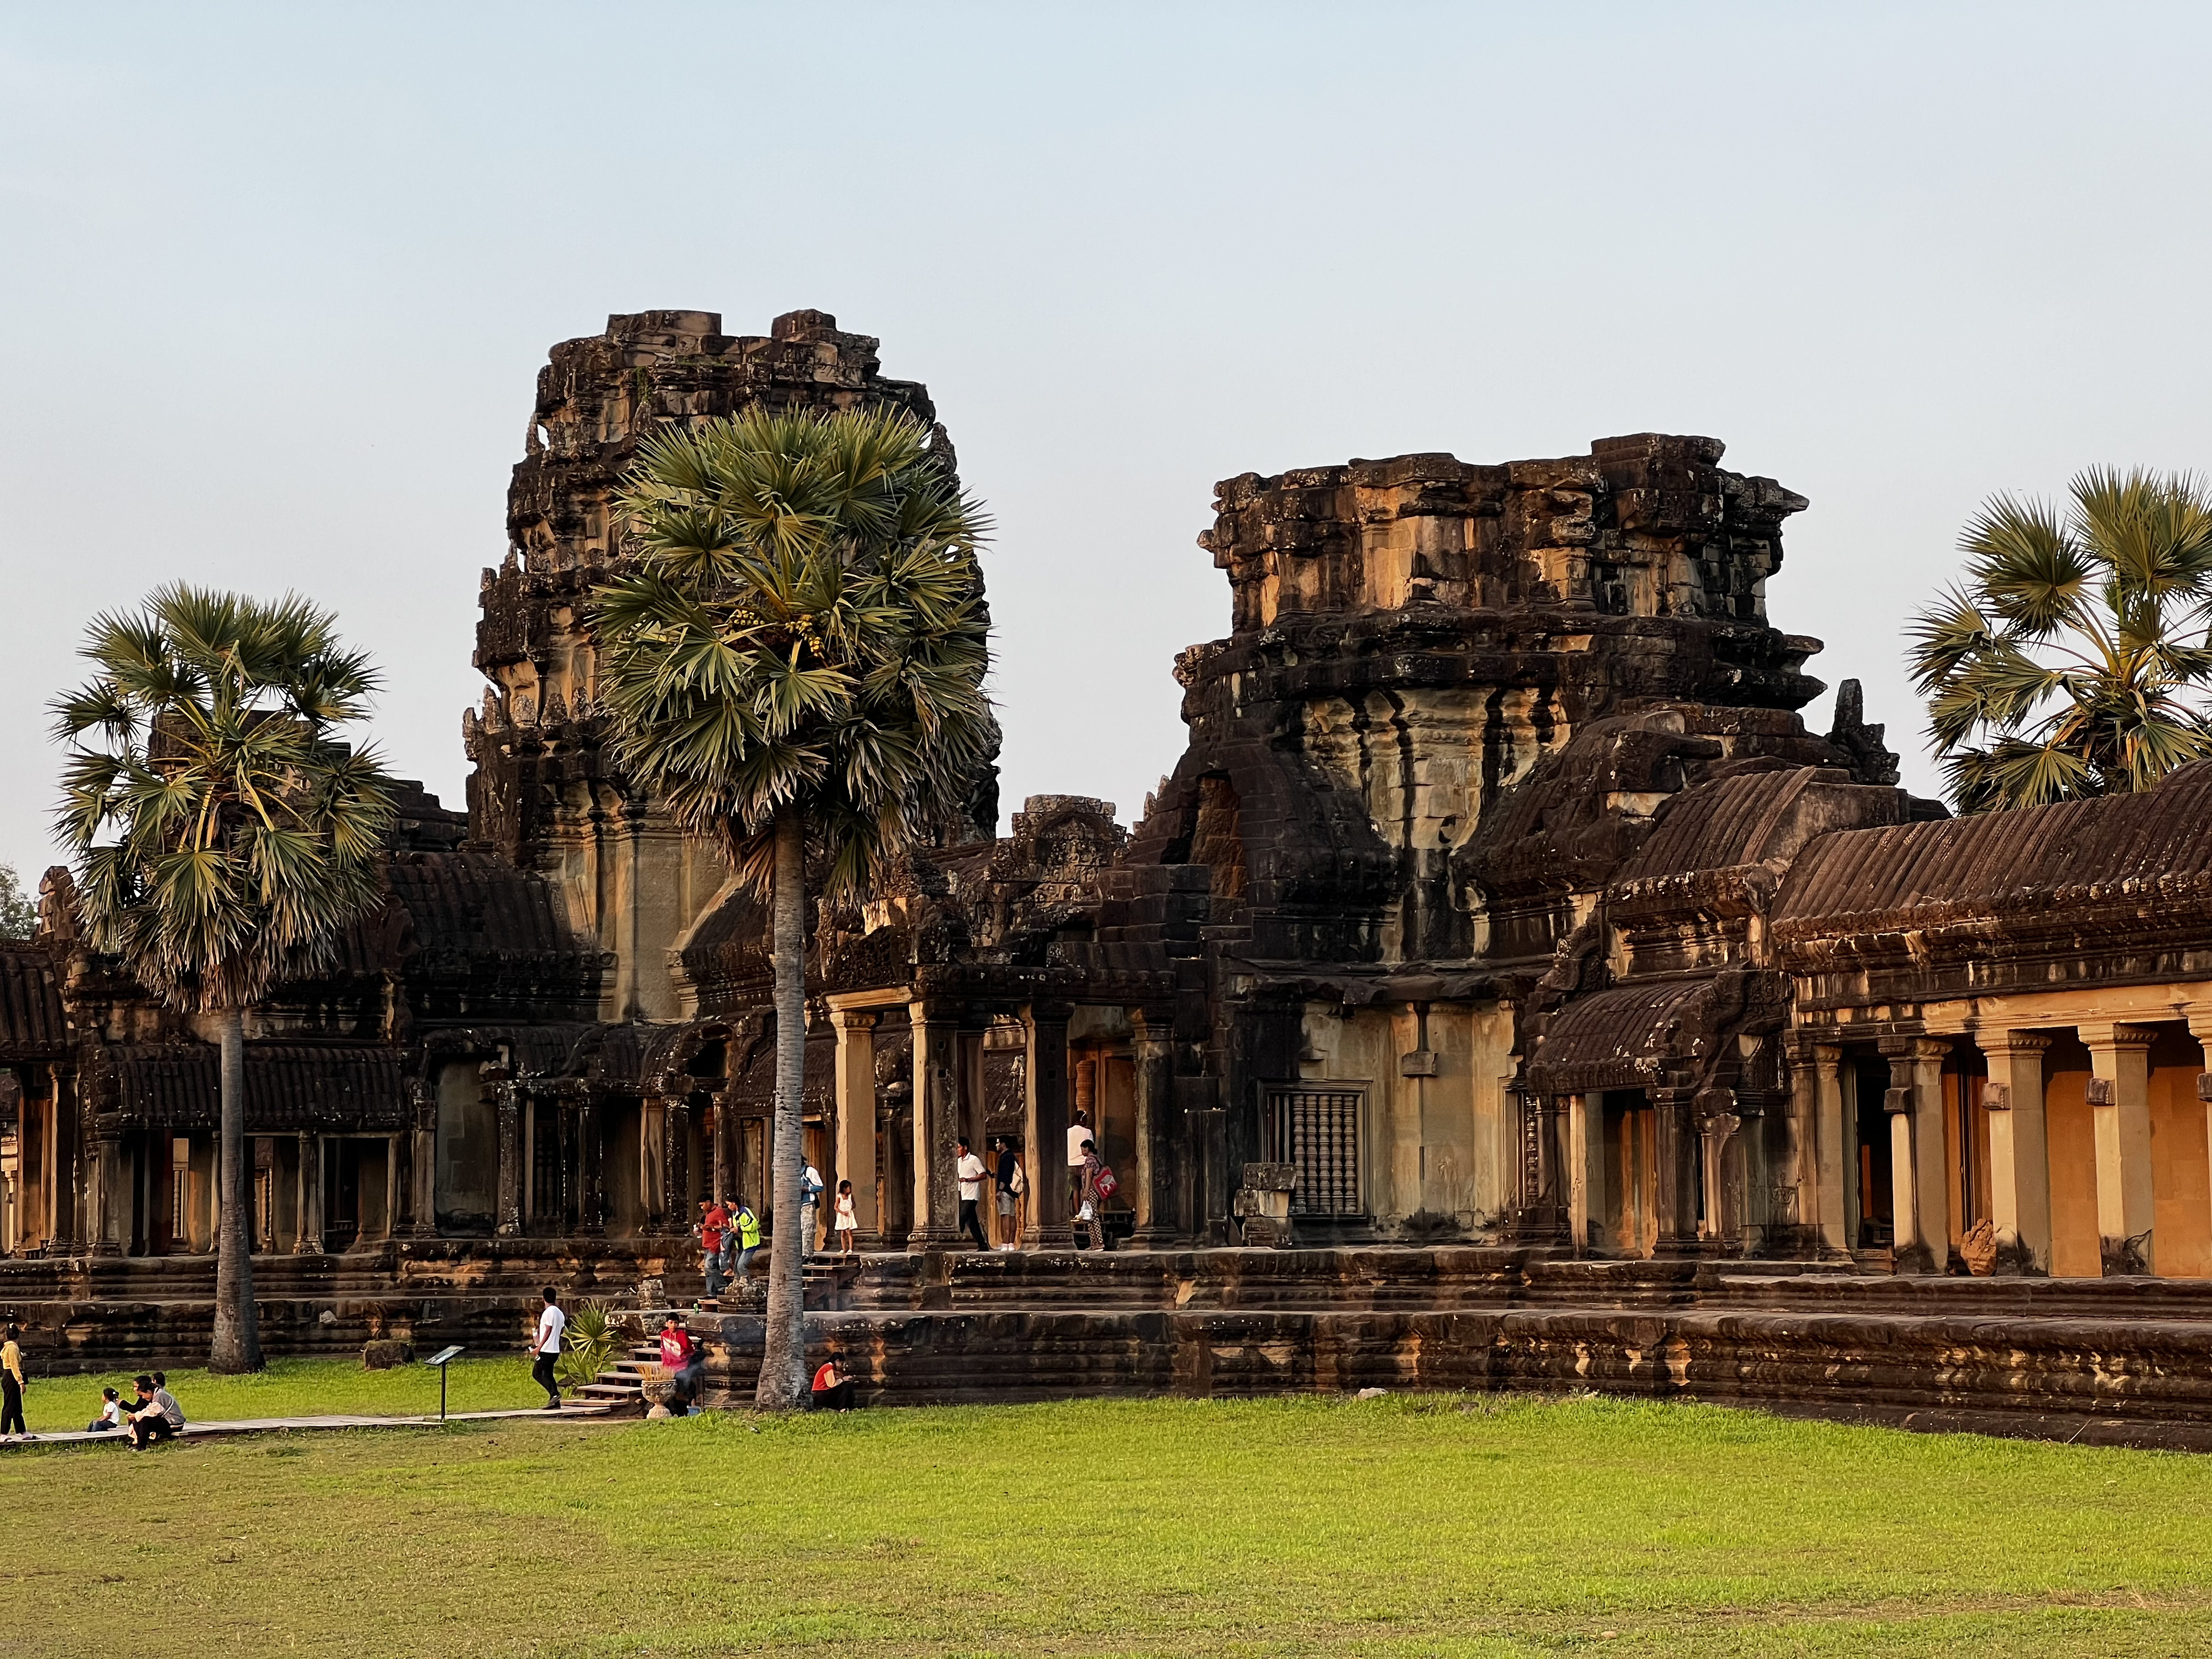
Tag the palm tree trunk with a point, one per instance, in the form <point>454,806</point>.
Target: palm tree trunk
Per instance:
<point>237,1345</point>
<point>783,1383</point>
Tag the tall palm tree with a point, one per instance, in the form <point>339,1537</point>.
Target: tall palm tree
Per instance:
<point>2072,659</point>
<point>224,832</point>
<point>793,659</point>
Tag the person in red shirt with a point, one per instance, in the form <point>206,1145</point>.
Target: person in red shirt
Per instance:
<point>833,1389</point>
<point>681,1359</point>
<point>714,1233</point>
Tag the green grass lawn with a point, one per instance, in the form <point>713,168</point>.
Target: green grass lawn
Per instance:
<point>294,1388</point>
<point>1404,1526</point>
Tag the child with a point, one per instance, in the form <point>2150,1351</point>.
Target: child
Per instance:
<point>846,1223</point>
<point>110,1413</point>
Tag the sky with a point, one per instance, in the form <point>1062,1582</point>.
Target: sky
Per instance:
<point>275,284</point>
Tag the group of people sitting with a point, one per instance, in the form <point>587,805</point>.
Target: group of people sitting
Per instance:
<point>152,1414</point>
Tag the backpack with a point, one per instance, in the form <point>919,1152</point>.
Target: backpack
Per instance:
<point>1103,1183</point>
<point>809,1188</point>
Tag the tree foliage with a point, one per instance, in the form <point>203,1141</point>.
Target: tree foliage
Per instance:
<point>802,626</point>
<point>2071,659</point>
<point>19,910</point>
<point>223,830</point>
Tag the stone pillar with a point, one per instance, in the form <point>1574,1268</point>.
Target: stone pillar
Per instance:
<point>1044,1069</point>
<point>856,1121</point>
<point>1586,1196</point>
<point>1717,1124</point>
<point>2119,1098</point>
<point>2020,1161</point>
<point>310,1196</point>
<point>936,1124</point>
<point>1931,1169</point>
<point>1823,1147</point>
<point>718,1116</point>
<point>422,1152</point>
<point>1919,1182</point>
<point>590,1172</point>
<point>509,1222</point>
<point>2200,1027</point>
<point>1677,1148</point>
<point>1154,1043</point>
<point>109,1230</point>
<point>676,1165</point>
<point>391,1142</point>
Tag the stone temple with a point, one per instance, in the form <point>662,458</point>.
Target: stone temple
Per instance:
<point>1505,987</point>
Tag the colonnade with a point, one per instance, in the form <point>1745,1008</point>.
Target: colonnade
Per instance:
<point>944,1110</point>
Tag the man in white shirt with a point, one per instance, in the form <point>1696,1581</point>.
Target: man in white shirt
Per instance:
<point>970,1170</point>
<point>809,1199</point>
<point>545,1349</point>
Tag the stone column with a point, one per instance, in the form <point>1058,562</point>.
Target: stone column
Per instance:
<point>936,1124</point>
<point>1586,1198</point>
<point>2119,1098</point>
<point>2200,1027</point>
<point>2020,1161</point>
<point>1154,1043</point>
<point>856,1121</point>
<point>1931,1171</point>
<point>509,1222</point>
<point>423,1149</point>
<point>1717,1124</point>
<point>392,1186</point>
<point>676,1165</point>
<point>108,1234</point>
<point>1676,1147</point>
<point>590,1170</point>
<point>718,1140</point>
<point>1816,1108</point>
<point>1919,1185</point>
<point>1044,1070</point>
<point>311,1196</point>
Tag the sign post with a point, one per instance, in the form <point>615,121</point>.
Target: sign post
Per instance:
<point>442,1359</point>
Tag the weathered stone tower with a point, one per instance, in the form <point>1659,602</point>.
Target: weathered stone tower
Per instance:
<point>544,790</point>
<point>1454,699</point>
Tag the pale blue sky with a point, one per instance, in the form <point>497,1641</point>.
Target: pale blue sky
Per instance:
<point>275,284</point>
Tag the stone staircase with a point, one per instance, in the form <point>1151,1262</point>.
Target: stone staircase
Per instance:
<point>620,1387</point>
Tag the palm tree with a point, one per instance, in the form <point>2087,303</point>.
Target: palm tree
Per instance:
<point>793,659</point>
<point>2071,661</point>
<point>222,832</point>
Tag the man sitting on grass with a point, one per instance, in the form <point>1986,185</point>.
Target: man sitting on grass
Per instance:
<point>154,1415</point>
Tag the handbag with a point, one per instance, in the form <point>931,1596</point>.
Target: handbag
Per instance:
<point>1105,1182</point>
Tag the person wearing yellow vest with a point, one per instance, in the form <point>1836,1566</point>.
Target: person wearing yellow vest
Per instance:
<point>749,1238</point>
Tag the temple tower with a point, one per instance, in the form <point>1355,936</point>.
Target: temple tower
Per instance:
<point>543,788</point>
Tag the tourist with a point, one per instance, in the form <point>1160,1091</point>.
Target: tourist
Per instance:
<point>546,1348</point>
<point>156,1415</point>
<point>749,1238</point>
<point>1091,1202</point>
<point>714,1232</point>
<point>833,1389</point>
<point>1078,1137</point>
<point>810,1207</point>
<point>110,1413</point>
<point>845,1222</point>
<point>968,1168</point>
<point>681,1359</point>
<point>1006,1171</point>
<point>11,1386</point>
